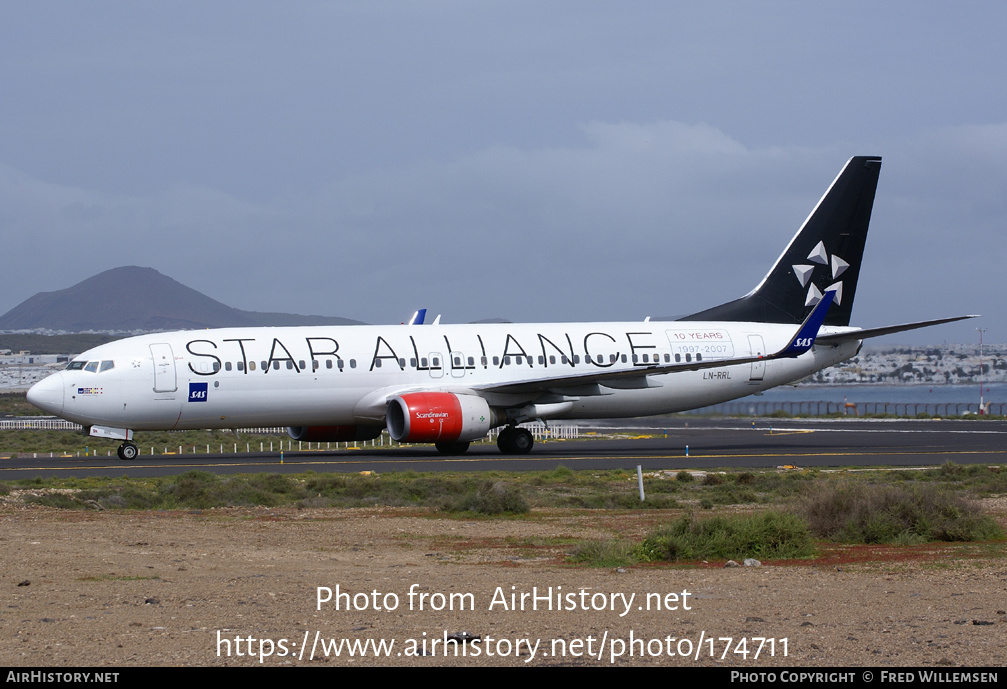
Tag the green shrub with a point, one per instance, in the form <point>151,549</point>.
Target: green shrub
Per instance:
<point>490,498</point>
<point>767,535</point>
<point>855,512</point>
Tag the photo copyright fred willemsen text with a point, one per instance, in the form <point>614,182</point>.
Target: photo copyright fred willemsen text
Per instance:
<point>601,647</point>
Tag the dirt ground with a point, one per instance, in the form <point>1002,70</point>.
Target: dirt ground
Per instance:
<point>241,586</point>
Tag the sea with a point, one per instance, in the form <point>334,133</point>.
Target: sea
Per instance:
<point>902,400</point>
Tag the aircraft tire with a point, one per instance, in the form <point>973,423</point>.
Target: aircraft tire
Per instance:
<point>127,451</point>
<point>515,441</point>
<point>523,441</point>
<point>456,448</point>
<point>505,441</point>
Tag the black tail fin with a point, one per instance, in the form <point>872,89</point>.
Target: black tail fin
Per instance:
<point>825,254</point>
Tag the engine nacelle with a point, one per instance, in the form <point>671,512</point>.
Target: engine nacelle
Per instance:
<point>438,417</point>
<point>319,434</point>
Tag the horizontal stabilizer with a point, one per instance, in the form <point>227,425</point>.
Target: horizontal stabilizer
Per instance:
<point>863,334</point>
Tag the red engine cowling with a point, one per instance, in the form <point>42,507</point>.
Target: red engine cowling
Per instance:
<point>438,417</point>
<point>319,434</point>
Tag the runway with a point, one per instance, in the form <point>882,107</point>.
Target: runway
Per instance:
<point>677,443</point>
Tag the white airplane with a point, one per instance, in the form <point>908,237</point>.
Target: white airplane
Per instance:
<point>452,384</point>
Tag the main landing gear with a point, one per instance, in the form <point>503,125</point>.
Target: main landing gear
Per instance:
<point>128,451</point>
<point>515,441</point>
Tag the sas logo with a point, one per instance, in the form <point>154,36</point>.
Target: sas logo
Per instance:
<point>197,392</point>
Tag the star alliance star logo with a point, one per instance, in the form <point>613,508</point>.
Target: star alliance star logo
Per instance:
<point>803,272</point>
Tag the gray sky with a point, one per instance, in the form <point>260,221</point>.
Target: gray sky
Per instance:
<point>525,160</point>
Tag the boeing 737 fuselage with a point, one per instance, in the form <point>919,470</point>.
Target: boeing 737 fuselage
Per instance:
<point>452,384</point>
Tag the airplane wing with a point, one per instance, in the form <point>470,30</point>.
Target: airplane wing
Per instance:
<point>862,334</point>
<point>638,377</point>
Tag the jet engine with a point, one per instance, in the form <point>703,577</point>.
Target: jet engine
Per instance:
<point>319,434</point>
<point>438,417</point>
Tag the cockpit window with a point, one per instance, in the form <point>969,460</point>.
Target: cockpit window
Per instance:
<point>75,365</point>
<point>106,365</point>
<point>91,366</point>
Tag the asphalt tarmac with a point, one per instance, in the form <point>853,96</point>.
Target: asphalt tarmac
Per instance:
<point>675,443</point>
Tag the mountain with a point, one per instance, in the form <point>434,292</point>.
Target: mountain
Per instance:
<point>139,299</point>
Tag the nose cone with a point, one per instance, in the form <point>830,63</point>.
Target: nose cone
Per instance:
<point>47,394</point>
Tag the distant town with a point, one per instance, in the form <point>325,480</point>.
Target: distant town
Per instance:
<point>947,364</point>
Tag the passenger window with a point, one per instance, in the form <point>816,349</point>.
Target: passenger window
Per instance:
<point>552,359</point>
<point>472,361</point>
<point>412,362</point>
<point>340,364</point>
<point>353,363</point>
<point>402,363</point>
<point>216,366</point>
<point>678,358</point>
<point>251,365</point>
<point>496,361</point>
<point>423,362</point>
<point>227,365</point>
<point>290,365</point>
<point>301,365</point>
<point>377,363</point>
<point>92,366</point>
<point>276,365</point>
<point>106,365</point>
<point>328,363</point>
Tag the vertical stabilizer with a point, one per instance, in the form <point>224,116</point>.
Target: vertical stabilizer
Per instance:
<point>823,256</point>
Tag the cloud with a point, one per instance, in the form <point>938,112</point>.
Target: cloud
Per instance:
<point>659,218</point>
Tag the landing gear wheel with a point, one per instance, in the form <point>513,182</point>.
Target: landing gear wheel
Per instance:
<point>128,451</point>
<point>523,441</point>
<point>515,441</point>
<point>456,448</point>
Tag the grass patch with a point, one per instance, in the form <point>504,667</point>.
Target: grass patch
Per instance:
<point>490,498</point>
<point>767,535</point>
<point>855,512</point>
<point>605,553</point>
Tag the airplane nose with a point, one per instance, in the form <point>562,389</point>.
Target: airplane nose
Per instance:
<point>47,394</point>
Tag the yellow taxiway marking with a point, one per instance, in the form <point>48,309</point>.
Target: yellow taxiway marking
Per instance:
<point>497,458</point>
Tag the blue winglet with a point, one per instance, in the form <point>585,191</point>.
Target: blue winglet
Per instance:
<point>805,337</point>
<point>418,317</point>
